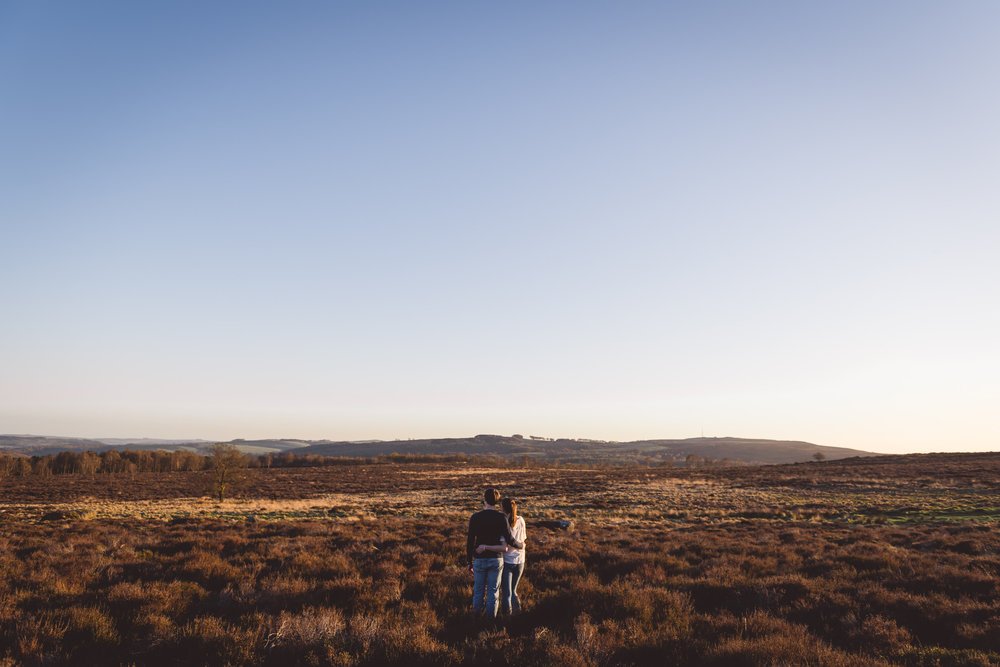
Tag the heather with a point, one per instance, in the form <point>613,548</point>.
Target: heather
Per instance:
<point>871,562</point>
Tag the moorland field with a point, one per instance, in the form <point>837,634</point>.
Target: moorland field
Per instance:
<point>866,561</point>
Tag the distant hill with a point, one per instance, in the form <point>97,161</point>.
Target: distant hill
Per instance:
<point>40,445</point>
<point>744,450</point>
<point>563,450</point>
<point>37,445</point>
<point>148,442</point>
<point>748,450</point>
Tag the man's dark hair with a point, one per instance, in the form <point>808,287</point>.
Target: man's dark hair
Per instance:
<point>492,496</point>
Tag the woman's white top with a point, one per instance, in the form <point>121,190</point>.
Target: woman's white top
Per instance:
<point>516,556</point>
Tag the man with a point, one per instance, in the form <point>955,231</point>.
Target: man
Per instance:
<point>488,526</point>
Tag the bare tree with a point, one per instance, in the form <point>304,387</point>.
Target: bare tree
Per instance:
<point>228,467</point>
<point>89,463</point>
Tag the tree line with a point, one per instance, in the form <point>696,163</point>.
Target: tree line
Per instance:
<point>107,462</point>
<point>133,461</point>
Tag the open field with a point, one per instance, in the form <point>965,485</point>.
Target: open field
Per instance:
<point>886,560</point>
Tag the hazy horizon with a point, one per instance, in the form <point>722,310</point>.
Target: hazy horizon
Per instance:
<point>453,435</point>
<point>646,220</point>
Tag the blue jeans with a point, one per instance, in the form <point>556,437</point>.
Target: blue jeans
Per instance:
<point>509,579</point>
<point>487,576</point>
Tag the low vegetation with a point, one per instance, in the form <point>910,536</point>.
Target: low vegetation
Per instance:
<point>871,562</point>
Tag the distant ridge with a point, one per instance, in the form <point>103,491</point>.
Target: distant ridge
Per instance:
<point>37,444</point>
<point>752,450</point>
<point>40,445</point>
<point>564,450</point>
<point>144,442</point>
<point>745,450</point>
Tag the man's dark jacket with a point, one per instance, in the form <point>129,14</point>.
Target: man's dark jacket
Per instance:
<point>488,527</point>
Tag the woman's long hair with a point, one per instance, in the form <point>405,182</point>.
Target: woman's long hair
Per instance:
<point>510,509</point>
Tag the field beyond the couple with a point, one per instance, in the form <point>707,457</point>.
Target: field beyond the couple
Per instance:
<point>861,561</point>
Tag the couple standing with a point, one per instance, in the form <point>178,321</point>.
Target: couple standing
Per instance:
<point>495,547</point>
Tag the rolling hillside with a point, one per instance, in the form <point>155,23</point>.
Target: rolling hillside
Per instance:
<point>594,451</point>
<point>563,450</point>
<point>36,445</point>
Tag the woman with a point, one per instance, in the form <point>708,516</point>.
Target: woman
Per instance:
<point>513,559</point>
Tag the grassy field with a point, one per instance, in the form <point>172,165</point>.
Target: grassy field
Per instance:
<point>887,560</point>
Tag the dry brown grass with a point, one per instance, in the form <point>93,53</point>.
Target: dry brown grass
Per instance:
<point>363,566</point>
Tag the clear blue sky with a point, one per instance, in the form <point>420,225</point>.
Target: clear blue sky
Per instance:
<point>609,220</point>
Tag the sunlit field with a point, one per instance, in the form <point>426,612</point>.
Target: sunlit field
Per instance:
<point>889,560</point>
